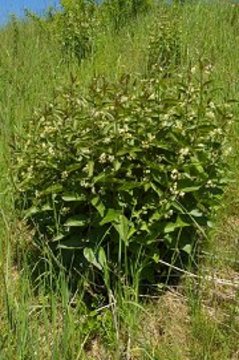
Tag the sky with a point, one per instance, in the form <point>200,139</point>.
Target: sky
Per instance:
<point>17,7</point>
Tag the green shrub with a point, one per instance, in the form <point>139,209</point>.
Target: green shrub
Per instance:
<point>164,52</point>
<point>75,27</point>
<point>125,176</point>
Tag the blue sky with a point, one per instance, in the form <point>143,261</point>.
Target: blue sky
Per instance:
<point>17,7</point>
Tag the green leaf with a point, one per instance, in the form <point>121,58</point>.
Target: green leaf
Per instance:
<point>100,178</point>
<point>144,227</point>
<point>130,185</point>
<point>97,203</point>
<point>74,167</point>
<point>123,228</point>
<point>132,151</point>
<point>210,224</point>
<point>37,210</point>
<point>59,237</point>
<point>188,185</point>
<point>156,189</point>
<point>112,215</point>
<point>156,258</point>
<point>102,258</point>
<point>84,150</point>
<point>117,165</point>
<point>46,207</point>
<point>170,227</point>
<point>188,249</point>
<point>189,189</point>
<point>73,197</point>
<point>78,221</point>
<point>196,213</point>
<point>147,186</point>
<point>90,256</point>
<point>53,189</point>
<point>103,178</point>
<point>91,168</point>
<point>156,216</point>
<point>199,168</point>
<point>31,211</point>
<point>71,243</point>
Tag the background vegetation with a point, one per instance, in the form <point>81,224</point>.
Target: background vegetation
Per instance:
<point>115,146</point>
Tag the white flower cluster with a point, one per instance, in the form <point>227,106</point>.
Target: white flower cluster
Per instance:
<point>169,214</point>
<point>104,158</point>
<point>183,153</point>
<point>174,174</point>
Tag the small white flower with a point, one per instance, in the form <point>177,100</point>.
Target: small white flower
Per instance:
<point>209,184</point>
<point>210,115</point>
<point>123,99</point>
<point>145,144</point>
<point>184,151</point>
<point>174,174</point>
<point>64,175</point>
<point>208,69</point>
<point>151,137</point>
<point>121,131</point>
<point>106,141</point>
<point>212,105</point>
<point>102,158</point>
<point>19,160</point>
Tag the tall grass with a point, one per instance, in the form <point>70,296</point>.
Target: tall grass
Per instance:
<point>199,320</point>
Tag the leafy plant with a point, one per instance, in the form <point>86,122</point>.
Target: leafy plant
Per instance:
<point>164,52</point>
<point>126,176</point>
<point>75,27</point>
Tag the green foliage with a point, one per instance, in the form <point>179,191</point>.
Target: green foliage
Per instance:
<point>43,319</point>
<point>75,27</point>
<point>127,175</point>
<point>164,52</point>
<point>119,12</point>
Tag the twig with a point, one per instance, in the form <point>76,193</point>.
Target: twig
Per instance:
<point>205,277</point>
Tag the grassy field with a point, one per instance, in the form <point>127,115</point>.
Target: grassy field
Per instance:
<point>196,320</point>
